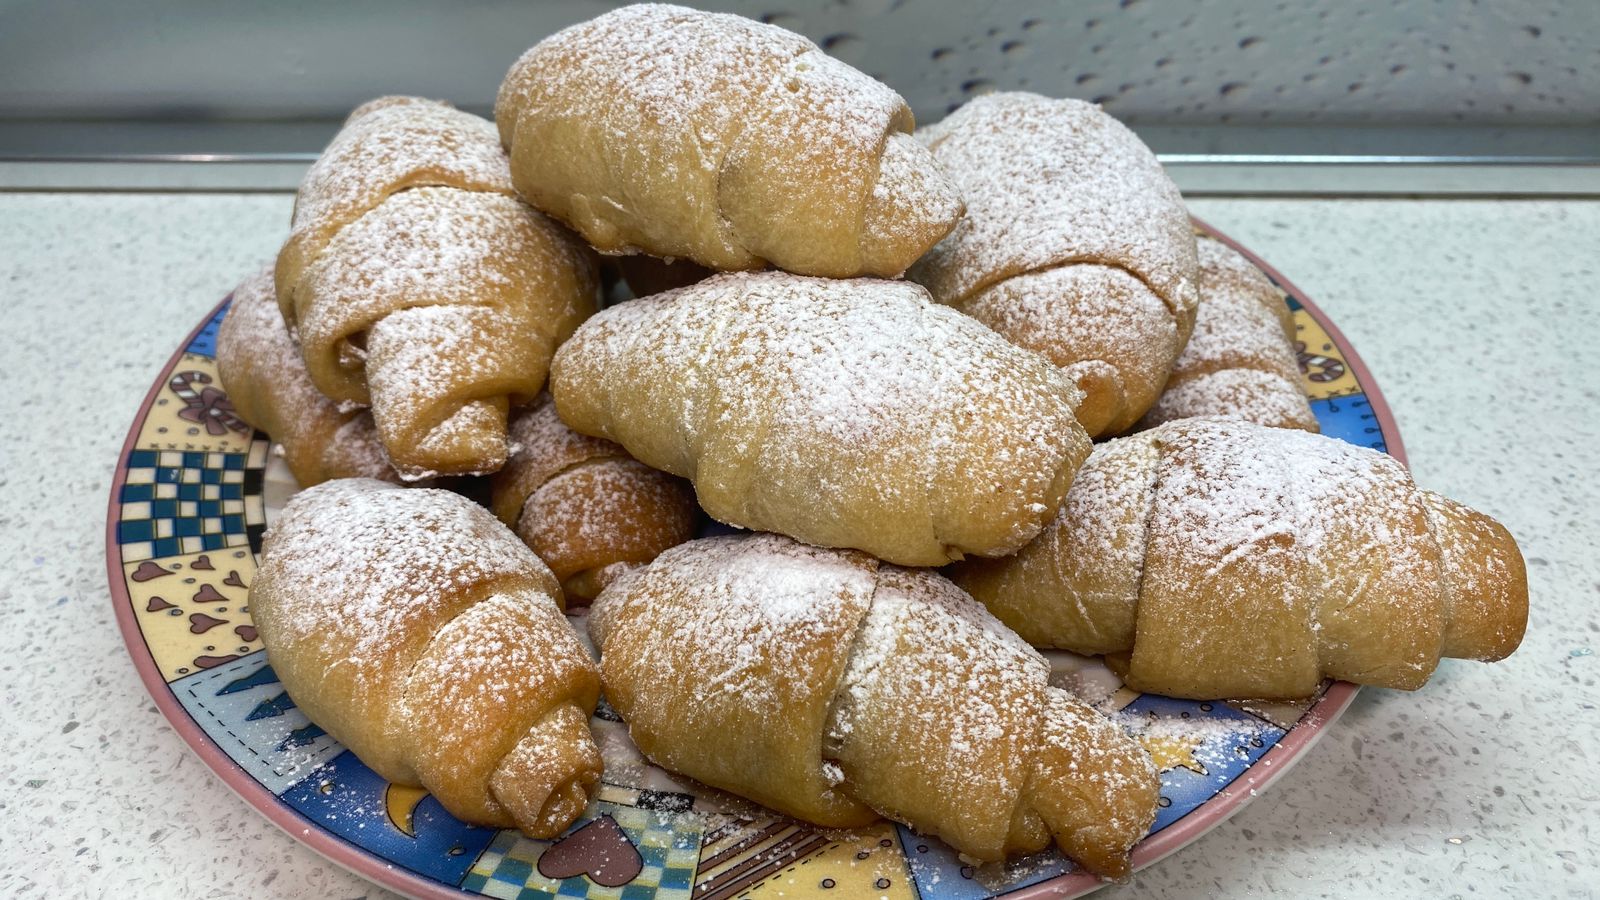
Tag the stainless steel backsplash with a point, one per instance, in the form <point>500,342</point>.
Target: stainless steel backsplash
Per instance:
<point>1152,62</point>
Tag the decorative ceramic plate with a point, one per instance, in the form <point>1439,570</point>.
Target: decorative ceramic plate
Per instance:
<point>192,495</point>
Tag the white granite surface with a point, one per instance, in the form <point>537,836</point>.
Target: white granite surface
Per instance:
<point>1474,316</point>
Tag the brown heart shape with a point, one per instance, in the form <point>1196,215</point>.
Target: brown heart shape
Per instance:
<point>209,594</point>
<point>246,633</point>
<point>600,850</point>
<point>211,662</point>
<point>233,579</point>
<point>202,564</point>
<point>157,604</point>
<point>148,570</point>
<point>200,623</point>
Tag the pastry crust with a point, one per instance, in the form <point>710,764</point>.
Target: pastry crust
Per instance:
<point>586,507</point>
<point>1240,361</point>
<point>266,380</point>
<point>416,283</point>
<point>842,413</point>
<point>1075,245</point>
<point>388,611</point>
<point>1216,558</point>
<point>715,138</point>
<point>834,688</point>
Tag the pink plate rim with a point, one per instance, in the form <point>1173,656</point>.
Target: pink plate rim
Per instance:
<point>337,850</point>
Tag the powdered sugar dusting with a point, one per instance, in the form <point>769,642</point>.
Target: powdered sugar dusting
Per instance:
<point>919,683</point>
<point>357,562</point>
<point>1262,397</point>
<point>1052,182</point>
<point>817,388</point>
<point>396,143</point>
<point>613,507</point>
<point>754,595</point>
<point>1238,361</point>
<point>266,378</point>
<point>1324,541</point>
<point>933,667</point>
<point>1210,741</point>
<point>716,135</point>
<point>436,300</point>
<point>436,246</point>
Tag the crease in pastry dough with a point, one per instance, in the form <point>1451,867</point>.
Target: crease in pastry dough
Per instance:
<point>817,407</point>
<point>585,506</point>
<point>386,611</point>
<point>1214,558</point>
<point>833,687</point>
<point>265,376</point>
<point>745,145</point>
<point>417,283</point>
<point>1240,361</point>
<point>1075,245</point>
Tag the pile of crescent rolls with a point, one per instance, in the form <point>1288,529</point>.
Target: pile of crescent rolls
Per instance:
<point>883,355</point>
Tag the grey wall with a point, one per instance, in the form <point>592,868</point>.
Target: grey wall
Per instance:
<point>1148,61</point>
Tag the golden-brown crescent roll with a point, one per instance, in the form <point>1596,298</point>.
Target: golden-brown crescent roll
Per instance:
<point>583,504</point>
<point>387,611</point>
<point>1216,558</point>
<point>1240,360</point>
<point>841,413</point>
<point>712,137</point>
<point>834,688</point>
<point>1075,244</point>
<point>266,380</point>
<point>416,282</point>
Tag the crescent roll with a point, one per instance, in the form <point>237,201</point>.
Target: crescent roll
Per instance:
<point>583,504</point>
<point>1240,361</point>
<point>388,611</point>
<point>1216,558</point>
<point>417,283</point>
<point>835,689</point>
<point>841,413</point>
<point>712,137</point>
<point>1075,245</point>
<point>266,381</point>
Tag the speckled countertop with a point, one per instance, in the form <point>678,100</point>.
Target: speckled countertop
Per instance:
<point>1475,317</point>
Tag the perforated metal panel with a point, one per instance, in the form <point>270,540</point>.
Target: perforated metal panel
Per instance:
<point>1148,61</point>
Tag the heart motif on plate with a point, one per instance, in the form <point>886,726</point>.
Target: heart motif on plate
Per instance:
<point>600,850</point>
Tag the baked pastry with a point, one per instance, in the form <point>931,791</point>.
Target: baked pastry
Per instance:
<point>836,689</point>
<point>1075,245</point>
<point>583,504</point>
<point>267,384</point>
<point>1213,558</point>
<point>1240,360</point>
<point>711,137</point>
<point>416,282</point>
<point>418,631</point>
<point>841,413</point>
